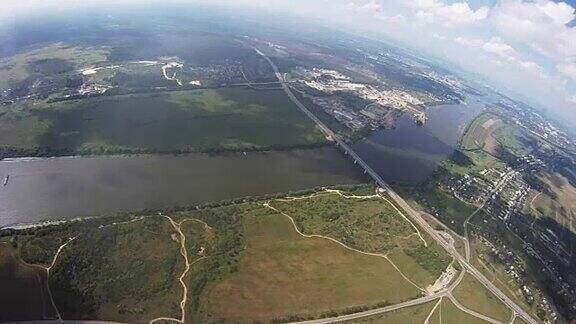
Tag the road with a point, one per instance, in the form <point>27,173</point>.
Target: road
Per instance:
<point>400,201</point>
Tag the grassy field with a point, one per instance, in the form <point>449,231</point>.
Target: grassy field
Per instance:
<point>415,314</point>
<point>202,120</point>
<point>489,133</point>
<point>447,312</point>
<point>23,293</point>
<point>284,275</point>
<point>474,296</point>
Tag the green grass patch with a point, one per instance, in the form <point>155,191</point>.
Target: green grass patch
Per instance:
<point>475,296</point>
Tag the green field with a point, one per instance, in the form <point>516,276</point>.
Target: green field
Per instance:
<point>445,312</point>
<point>183,121</point>
<point>559,203</point>
<point>474,296</point>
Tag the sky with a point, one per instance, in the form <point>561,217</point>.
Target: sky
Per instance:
<point>526,46</point>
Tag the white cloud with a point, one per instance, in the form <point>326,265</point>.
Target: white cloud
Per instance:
<point>469,42</point>
<point>437,11</point>
<point>543,26</point>
<point>496,46</point>
<point>567,69</point>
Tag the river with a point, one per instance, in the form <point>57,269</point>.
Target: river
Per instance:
<point>60,188</point>
<point>410,153</point>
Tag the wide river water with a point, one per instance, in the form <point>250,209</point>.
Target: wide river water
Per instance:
<point>58,188</point>
<point>410,153</point>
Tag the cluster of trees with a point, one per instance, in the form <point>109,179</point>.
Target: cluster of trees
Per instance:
<point>48,151</point>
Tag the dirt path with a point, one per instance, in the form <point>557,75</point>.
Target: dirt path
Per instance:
<point>187,265</point>
<point>184,253</point>
<point>48,276</point>
<point>427,320</point>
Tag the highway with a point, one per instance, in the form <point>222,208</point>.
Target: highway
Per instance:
<point>400,201</point>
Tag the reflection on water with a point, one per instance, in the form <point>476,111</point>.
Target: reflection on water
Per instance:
<point>56,188</point>
<point>410,153</point>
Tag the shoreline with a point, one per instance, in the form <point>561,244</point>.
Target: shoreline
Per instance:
<point>311,147</point>
<point>46,223</point>
<point>198,206</point>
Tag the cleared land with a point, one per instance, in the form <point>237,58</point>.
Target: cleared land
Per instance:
<point>474,296</point>
<point>179,121</point>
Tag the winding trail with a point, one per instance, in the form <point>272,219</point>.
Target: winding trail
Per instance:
<point>187,265</point>
<point>184,253</point>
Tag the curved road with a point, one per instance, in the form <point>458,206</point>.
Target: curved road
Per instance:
<point>402,203</point>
